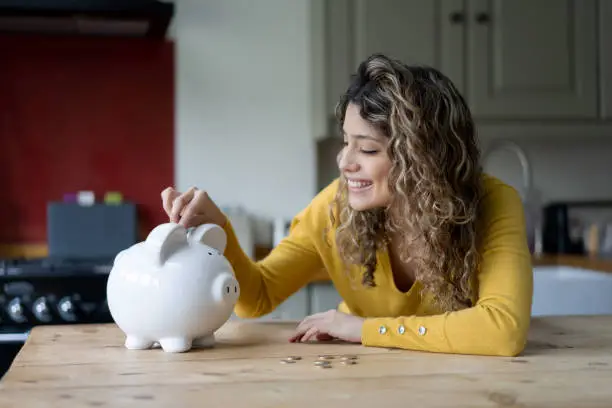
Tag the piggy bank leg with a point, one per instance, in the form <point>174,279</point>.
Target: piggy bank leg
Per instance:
<point>175,344</point>
<point>137,343</point>
<point>205,341</point>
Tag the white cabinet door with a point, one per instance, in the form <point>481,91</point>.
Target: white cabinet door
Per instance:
<point>408,30</point>
<point>532,59</point>
<point>605,49</point>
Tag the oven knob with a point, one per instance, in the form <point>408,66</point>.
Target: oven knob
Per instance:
<point>15,311</point>
<point>66,309</point>
<point>41,310</point>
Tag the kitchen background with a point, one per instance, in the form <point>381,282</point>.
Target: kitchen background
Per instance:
<point>237,99</point>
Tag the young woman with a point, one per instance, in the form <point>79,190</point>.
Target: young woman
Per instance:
<point>427,252</point>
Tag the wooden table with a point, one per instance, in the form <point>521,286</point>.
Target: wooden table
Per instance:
<point>568,363</point>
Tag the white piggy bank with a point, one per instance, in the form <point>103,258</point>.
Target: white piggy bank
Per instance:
<point>175,288</point>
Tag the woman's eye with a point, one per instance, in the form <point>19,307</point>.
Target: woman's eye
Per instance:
<point>369,151</point>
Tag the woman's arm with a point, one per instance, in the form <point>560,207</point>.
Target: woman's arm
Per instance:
<point>291,265</point>
<point>267,283</point>
<point>498,323</point>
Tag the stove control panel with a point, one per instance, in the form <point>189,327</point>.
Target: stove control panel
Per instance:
<point>42,300</point>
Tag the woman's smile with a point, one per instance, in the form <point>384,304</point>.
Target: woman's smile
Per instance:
<point>359,185</point>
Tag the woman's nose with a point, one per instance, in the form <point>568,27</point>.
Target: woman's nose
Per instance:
<point>346,161</point>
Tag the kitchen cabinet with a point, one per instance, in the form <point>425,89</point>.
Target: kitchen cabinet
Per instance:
<point>605,52</point>
<point>512,59</point>
<point>314,298</point>
<point>323,297</point>
<point>405,29</point>
<point>296,307</point>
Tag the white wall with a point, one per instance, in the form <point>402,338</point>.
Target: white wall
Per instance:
<point>245,122</point>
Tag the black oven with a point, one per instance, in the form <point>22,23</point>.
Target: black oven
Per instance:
<point>69,286</point>
<point>48,292</point>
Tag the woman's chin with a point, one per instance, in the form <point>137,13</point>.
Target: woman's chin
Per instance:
<point>360,205</point>
<point>365,203</point>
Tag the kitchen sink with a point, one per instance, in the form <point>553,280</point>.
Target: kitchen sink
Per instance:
<point>560,290</point>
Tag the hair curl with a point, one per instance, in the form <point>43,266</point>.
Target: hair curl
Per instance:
<point>435,179</point>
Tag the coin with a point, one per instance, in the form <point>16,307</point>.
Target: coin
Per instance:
<point>287,361</point>
<point>326,357</point>
<point>348,362</point>
<point>349,357</point>
<point>322,364</point>
<point>294,358</point>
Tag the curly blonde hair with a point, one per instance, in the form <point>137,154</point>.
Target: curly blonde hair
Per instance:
<point>435,179</point>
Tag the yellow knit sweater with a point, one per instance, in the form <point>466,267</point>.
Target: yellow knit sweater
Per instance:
<point>496,325</point>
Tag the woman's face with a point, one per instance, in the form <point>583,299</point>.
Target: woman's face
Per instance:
<point>364,162</point>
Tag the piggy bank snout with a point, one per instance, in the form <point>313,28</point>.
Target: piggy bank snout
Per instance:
<point>225,289</point>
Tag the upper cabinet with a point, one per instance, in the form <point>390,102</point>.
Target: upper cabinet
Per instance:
<point>605,57</point>
<point>532,59</point>
<point>512,59</point>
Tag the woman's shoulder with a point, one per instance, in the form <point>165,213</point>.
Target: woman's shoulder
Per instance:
<point>494,187</point>
<point>499,198</point>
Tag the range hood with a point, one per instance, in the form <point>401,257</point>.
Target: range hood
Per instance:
<point>131,18</point>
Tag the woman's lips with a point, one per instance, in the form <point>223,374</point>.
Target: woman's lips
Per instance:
<point>359,185</point>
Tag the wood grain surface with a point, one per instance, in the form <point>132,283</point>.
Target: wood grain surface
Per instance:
<point>567,363</point>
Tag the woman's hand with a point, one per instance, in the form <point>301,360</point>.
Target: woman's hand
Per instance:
<point>191,208</point>
<point>328,326</point>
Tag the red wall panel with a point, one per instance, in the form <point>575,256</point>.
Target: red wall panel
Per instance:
<point>83,114</point>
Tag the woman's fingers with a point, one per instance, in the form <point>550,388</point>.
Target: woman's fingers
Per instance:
<point>309,327</point>
<point>308,320</point>
<point>310,334</point>
<point>195,212</point>
<point>299,331</point>
<point>179,204</point>
<point>191,208</point>
<point>168,196</point>
<point>324,337</point>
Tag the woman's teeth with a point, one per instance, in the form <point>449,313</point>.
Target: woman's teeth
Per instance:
<point>359,184</point>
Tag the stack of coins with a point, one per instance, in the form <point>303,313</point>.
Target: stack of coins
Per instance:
<point>324,360</point>
<point>290,359</point>
<point>323,364</point>
<point>348,359</point>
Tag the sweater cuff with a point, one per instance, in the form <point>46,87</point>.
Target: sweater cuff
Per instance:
<point>411,332</point>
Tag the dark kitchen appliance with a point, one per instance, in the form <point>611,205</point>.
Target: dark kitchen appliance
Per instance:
<point>68,286</point>
<point>126,18</point>
<point>44,292</point>
<point>565,223</point>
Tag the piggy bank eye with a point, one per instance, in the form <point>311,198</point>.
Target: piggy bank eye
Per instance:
<point>210,253</point>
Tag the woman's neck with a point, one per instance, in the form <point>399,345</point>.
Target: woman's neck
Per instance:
<point>404,274</point>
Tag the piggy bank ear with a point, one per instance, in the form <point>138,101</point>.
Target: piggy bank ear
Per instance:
<point>209,234</point>
<point>165,239</point>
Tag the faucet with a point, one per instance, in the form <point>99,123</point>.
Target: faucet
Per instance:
<point>530,204</point>
<point>522,157</point>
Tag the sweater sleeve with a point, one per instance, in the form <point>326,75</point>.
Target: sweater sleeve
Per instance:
<point>499,321</point>
<point>288,267</point>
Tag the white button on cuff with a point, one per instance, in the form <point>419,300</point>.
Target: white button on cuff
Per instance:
<point>422,330</point>
<point>401,329</point>
<point>382,329</point>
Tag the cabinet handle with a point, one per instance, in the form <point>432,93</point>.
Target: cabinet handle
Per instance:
<point>482,18</point>
<point>456,17</point>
